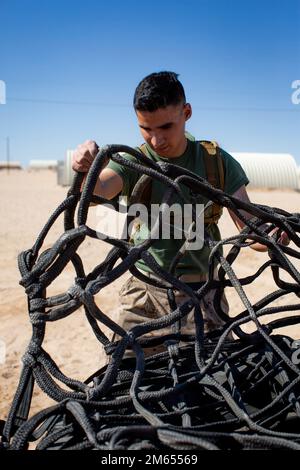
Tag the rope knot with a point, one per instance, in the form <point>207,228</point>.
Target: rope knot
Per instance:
<point>77,292</point>
<point>34,289</point>
<point>29,360</point>
<point>109,348</point>
<point>37,304</point>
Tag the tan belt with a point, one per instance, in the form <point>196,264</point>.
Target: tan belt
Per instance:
<point>193,277</point>
<point>182,277</point>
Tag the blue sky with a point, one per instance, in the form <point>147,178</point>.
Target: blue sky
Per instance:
<point>71,67</point>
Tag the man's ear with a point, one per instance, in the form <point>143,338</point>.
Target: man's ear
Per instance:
<point>187,111</point>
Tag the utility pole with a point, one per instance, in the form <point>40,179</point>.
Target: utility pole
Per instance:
<point>7,154</point>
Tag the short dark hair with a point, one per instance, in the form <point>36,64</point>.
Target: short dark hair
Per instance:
<point>158,90</point>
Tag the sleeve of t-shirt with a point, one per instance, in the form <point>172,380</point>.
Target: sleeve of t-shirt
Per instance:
<point>235,176</point>
<point>128,175</point>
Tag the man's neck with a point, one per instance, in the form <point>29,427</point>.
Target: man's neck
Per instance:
<point>179,152</point>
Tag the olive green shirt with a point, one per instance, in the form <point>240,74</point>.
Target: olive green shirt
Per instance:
<point>164,250</point>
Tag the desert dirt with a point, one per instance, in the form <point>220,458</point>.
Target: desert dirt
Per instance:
<point>27,200</point>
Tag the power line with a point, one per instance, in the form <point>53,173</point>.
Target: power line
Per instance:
<point>67,102</point>
<point>123,105</point>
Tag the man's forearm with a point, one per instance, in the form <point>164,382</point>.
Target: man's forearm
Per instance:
<point>108,184</point>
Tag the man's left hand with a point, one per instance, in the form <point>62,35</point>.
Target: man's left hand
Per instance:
<point>283,238</point>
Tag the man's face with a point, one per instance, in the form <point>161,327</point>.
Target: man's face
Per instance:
<point>164,129</point>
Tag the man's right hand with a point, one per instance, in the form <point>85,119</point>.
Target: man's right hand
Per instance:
<point>109,184</point>
<point>84,155</point>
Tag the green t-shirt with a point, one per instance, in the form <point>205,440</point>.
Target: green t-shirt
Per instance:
<point>164,250</point>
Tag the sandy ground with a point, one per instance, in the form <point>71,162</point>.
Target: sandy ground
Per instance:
<point>27,200</point>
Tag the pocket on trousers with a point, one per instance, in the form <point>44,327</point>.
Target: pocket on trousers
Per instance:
<point>126,286</point>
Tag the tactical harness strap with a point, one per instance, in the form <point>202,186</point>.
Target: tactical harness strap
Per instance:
<point>214,168</point>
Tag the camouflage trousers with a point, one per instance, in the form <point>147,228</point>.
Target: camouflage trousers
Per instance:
<point>141,302</point>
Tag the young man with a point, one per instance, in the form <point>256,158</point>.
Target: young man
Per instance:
<point>162,112</point>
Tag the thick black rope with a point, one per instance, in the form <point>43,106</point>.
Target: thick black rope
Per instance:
<point>212,393</point>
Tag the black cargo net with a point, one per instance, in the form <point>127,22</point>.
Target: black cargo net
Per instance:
<point>213,392</point>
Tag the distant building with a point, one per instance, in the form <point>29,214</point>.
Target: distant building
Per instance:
<point>42,164</point>
<point>10,165</point>
<point>269,170</point>
<point>264,170</point>
<point>65,174</point>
